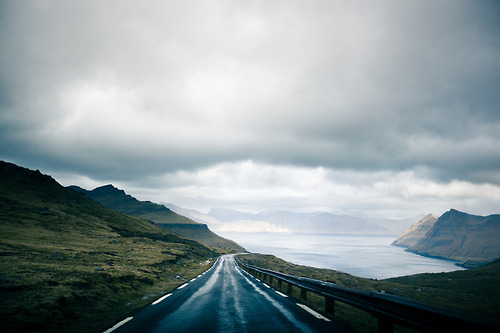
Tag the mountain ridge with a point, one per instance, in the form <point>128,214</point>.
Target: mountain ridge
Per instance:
<point>277,220</point>
<point>472,240</point>
<point>119,200</point>
<point>416,231</point>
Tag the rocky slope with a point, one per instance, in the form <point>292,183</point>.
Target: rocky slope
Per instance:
<point>118,200</point>
<point>416,232</point>
<point>473,240</point>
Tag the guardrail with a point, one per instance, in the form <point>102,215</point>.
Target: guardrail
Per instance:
<point>388,309</point>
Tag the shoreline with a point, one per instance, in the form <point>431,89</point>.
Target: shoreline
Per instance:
<point>468,264</point>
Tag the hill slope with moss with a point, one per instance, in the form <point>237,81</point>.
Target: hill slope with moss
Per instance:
<point>71,264</point>
<point>118,200</point>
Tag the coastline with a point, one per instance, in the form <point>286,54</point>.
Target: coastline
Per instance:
<point>467,264</point>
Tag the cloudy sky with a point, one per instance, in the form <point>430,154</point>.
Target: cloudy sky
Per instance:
<point>388,107</point>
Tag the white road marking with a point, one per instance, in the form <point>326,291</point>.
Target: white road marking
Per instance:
<point>189,304</point>
<point>278,306</point>
<point>119,324</point>
<point>314,313</point>
<point>192,279</point>
<point>185,284</point>
<point>265,285</point>
<point>160,299</point>
<point>281,294</point>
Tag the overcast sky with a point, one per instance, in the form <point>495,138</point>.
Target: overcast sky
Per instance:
<point>388,107</point>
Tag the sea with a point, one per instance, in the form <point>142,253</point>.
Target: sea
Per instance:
<point>364,256</point>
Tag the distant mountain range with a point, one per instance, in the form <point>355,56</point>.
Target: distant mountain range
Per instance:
<point>274,220</point>
<point>118,200</point>
<point>473,240</point>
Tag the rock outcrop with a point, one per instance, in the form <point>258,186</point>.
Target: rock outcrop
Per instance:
<point>416,232</point>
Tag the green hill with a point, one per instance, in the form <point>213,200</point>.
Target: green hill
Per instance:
<point>118,200</point>
<point>471,239</point>
<point>70,264</point>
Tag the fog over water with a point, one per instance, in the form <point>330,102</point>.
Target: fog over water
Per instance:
<point>364,256</point>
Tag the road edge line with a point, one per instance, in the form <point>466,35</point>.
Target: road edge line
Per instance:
<point>160,299</point>
<point>124,321</point>
<point>314,313</point>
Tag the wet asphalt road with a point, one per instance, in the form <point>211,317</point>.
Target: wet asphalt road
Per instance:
<point>226,299</point>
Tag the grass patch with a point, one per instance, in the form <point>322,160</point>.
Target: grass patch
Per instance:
<point>56,285</point>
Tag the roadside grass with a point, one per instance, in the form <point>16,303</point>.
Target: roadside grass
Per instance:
<point>68,264</point>
<point>474,292</point>
<point>86,284</point>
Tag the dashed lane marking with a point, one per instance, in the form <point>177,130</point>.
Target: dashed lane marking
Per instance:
<point>314,313</point>
<point>185,284</point>
<point>160,299</point>
<point>281,294</point>
<point>119,324</point>
<point>265,285</point>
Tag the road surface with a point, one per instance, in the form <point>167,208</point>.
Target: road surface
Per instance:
<point>226,299</point>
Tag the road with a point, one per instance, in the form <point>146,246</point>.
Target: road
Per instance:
<point>226,299</point>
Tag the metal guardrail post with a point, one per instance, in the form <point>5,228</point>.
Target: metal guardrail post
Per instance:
<point>384,324</point>
<point>329,305</point>
<point>303,294</point>
<point>280,282</point>
<point>290,288</point>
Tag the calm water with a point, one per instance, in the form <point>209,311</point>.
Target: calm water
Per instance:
<point>365,256</point>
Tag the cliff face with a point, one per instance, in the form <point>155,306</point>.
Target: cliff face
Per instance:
<point>416,232</point>
<point>470,239</point>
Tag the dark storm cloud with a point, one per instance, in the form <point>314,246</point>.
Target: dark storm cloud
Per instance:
<point>123,91</point>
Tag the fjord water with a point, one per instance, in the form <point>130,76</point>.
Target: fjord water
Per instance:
<point>364,256</point>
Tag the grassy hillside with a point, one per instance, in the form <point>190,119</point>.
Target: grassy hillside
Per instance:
<point>201,233</point>
<point>471,239</point>
<point>70,264</point>
<point>472,292</point>
<point>118,200</point>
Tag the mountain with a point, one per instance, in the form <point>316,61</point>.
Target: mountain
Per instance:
<point>70,264</point>
<point>276,220</point>
<point>118,200</point>
<point>416,232</point>
<point>473,240</point>
<point>193,215</point>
